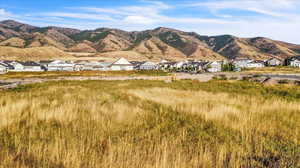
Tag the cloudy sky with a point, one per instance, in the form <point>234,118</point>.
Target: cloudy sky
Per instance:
<point>276,19</point>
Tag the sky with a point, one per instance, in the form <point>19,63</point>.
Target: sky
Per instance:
<point>276,19</point>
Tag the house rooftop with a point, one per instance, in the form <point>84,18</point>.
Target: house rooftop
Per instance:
<point>29,63</point>
<point>257,61</point>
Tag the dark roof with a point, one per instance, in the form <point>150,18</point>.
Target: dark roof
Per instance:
<point>203,63</point>
<point>2,64</point>
<point>29,63</point>
<point>238,60</point>
<point>6,64</point>
<point>295,58</point>
<point>45,61</point>
<point>194,63</point>
<point>274,58</point>
<point>257,61</point>
<point>98,66</point>
<point>135,63</point>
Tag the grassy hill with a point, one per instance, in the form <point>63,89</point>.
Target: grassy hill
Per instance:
<point>159,43</point>
<point>36,53</point>
<point>137,124</point>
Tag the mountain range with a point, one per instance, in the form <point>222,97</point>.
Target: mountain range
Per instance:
<point>23,41</point>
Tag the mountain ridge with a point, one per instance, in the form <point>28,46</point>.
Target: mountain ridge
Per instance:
<point>154,44</point>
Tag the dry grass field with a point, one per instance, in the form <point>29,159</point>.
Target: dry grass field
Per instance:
<point>150,124</point>
<point>54,74</point>
<point>274,70</point>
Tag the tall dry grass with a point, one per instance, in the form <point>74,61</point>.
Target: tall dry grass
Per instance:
<point>54,74</point>
<point>152,124</point>
<point>238,112</point>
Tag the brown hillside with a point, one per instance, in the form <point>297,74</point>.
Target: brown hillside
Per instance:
<point>155,49</point>
<point>160,43</point>
<point>37,53</point>
<point>40,40</point>
<point>112,43</point>
<point>13,42</point>
<point>82,47</point>
<point>204,53</point>
<point>59,37</point>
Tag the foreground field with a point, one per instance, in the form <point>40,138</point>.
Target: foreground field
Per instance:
<point>55,74</point>
<point>152,124</point>
<point>274,70</point>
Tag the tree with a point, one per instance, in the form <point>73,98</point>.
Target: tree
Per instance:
<point>228,67</point>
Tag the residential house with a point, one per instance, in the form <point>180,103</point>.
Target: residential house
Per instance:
<point>241,63</point>
<point>167,65</point>
<point>80,65</point>
<point>59,65</point>
<point>136,64</point>
<point>194,66</point>
<point>294,61</point>
<point>215,66</point>
<point>89,66</point>
<point>7,66</point>
<point>121,65</point>
<point>148,66</point>
<point>95,66</point>
<point>105,65</point>
<point>14,66</point>
<point>274,62</point>
<point>180,64</point>
<point>44,64</point>
<point>256,64</point>
<point>31,66</point>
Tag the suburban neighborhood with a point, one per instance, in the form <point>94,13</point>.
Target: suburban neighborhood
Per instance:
<point>122,64</point>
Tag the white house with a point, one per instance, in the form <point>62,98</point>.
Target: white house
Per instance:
<point>95,66</point>
<point>88,66</point>
<point>148,66</point>
<point>121,65</point>
<point>136,64</point>
<point>215,66</point>
<point>79,65</point>
<point>196,66</point>
<point>167,65</point>
<point>256,64</point>
<point>30,66</point>
<point>241,63</point>
<point>59,65</point>
<point>274,62</point>
<point>16,66</point>
<point>180,64</point>
<point>295,62</point>
<point>44,64</point>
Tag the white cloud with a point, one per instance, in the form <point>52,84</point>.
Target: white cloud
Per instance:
<point>4,14</point>
<point>275,8</point>
<point>150,13</point>
<point>139,20</point>
<point>79,16</point>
